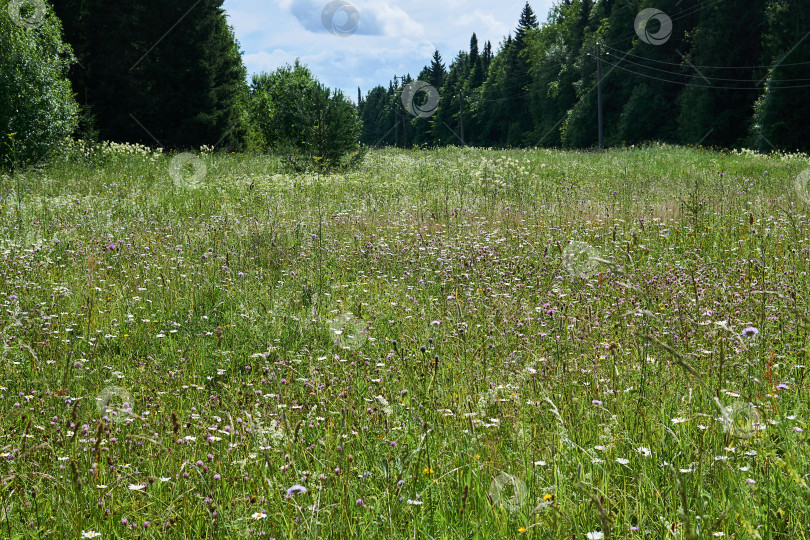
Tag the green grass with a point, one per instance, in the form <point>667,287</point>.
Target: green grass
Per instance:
<point>498,382</point>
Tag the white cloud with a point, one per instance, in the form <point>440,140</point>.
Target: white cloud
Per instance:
<point>391,37</point>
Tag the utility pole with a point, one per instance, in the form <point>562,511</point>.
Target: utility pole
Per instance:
<point>396,115</point>
<point>400,116</point>
<point>599,93</point>
<point>461,116</point>
<point>404,116</point>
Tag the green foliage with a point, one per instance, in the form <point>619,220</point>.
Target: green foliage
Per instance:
<point>782,113</point>
<point>184,88</point>
<point>717,111</point>
<point>37,106</point>
<point>291,113</point>
<point>699,86</point>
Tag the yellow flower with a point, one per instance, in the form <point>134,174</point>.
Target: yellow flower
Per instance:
<point>522,529</point>
<point>548,497</point>
<point>427,470</point>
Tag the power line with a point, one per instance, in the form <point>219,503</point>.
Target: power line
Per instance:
<point>706,77</point>
<point>707,67</point>
<point>701,85</point>
<point>677,16</point>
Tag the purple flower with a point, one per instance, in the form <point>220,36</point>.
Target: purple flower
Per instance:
<point>296,489</point>
<point>782,386</point>
<point>13,297</point>
<point>750,332</point>
<point>359,502</point>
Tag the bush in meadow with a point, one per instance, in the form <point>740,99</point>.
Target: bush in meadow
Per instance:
<point>294,115</point>
<point>37,105</point>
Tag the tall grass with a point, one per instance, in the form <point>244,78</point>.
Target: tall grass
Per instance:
<point>449,343</point>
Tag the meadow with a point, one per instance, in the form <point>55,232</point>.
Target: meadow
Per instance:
<point>453,343</point>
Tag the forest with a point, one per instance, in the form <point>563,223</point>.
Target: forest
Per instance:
<point>684,72</point>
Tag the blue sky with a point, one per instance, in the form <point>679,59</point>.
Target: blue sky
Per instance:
<point>373,39</point>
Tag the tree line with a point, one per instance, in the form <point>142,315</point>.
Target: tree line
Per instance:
<point>714,73</point>
<point>161,74</point>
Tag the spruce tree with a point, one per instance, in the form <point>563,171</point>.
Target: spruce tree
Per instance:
<point>175,67</point>
<point>782,113</point>
<point>717,109</point>
<point>437,71</point>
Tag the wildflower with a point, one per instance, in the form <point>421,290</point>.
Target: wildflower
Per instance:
<point>136,487</point>
<point>595,535</point>
<point>644,451</point>
<point>296,489</point>
<point>718,534</point>
<point>547,497</point>
<point>359,502</point>
<point>522,529</point>
<point>412,502</point>
<point>622,461</point>
<point>678,420</point>
<point>782,386</point>
<point>90,534</point>
<point>258,515</point>
<point>750,332</point>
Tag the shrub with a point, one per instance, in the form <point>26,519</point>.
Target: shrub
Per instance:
<point>292,114</point>
<point>37,106</point>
